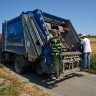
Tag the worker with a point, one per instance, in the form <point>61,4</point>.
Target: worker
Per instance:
<point>85,43</point>
<point>56,45</point>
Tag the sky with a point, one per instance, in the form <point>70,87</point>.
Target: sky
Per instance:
<point>82,13</point>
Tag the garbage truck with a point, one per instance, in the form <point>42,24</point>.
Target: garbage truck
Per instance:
<point>24,42</point>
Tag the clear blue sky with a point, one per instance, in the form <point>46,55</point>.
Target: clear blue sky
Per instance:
<point>82,13</point>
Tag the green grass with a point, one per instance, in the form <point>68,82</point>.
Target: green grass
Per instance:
<point>17,87</point>
<point>93,64</point>
<point>1,65</point>
<point>3,91</point>
<point>10,90</point>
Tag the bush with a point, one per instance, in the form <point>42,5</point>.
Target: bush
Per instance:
<point>93,61</point>
<point>93,64</point>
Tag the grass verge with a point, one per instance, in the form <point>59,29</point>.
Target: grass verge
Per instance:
<point>93,64</point>
<point>18,87</point>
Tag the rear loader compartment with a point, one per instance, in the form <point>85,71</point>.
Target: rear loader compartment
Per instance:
<point>24,42</point>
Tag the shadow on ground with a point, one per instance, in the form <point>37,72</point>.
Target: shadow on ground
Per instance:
<point>43,79</point>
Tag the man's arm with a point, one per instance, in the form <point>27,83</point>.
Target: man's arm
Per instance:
<point>79,45</point>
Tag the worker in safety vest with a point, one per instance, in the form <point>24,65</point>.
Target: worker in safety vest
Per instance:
<point>56,45</point>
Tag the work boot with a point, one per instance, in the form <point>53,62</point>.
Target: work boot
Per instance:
<point>85,69</point>
<point>54,78</point>
<point>58,78</point>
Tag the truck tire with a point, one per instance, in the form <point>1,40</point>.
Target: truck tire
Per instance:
<point>18,62</point>
<point>18,65</point>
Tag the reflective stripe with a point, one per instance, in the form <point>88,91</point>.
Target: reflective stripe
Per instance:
<point>53,48</point>
<point>54,40</point>
<point>56,54</point>
<point>55,51</point>
<point>59,47</point>
<point>32,56</point>
<point>60,44</point>
<point>56,48</point>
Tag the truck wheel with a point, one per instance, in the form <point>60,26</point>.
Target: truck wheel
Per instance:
<point>18,65</point>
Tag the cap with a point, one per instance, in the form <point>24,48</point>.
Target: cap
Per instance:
<point>83,35</point>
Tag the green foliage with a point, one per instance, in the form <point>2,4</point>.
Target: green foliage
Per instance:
<point>1,65</point>
<point>10,90</point>
<point>93,61</point>
<point>92,71</point>
<point>88,36</point>
<point>3,91</point>
<point>93,64</point>
<point>91,36</point>
<point>79,34</point>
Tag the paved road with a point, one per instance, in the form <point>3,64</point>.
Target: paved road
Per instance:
<point>77,84</point>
